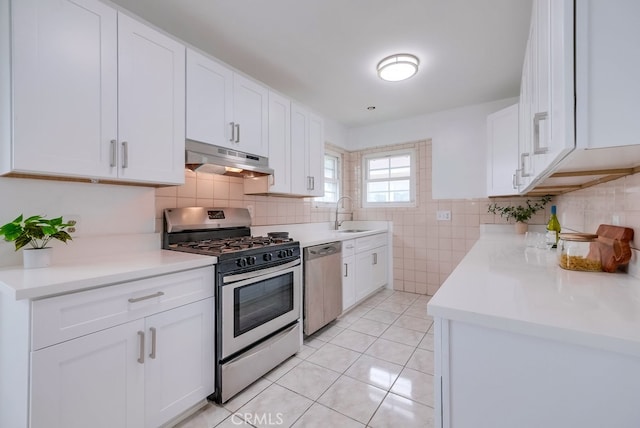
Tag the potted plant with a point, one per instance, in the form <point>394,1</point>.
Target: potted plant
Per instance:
<point>521,214</point>
<point>36,231</point>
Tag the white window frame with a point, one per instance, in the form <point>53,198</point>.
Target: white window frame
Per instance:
<point>338,156</point>
<point>412,178</point>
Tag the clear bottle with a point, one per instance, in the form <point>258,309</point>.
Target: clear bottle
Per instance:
<point>553,229</point>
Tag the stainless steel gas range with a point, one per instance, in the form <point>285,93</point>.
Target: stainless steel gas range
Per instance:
<point>257,296</point>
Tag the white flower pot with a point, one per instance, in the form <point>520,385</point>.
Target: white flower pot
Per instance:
<point>36,257</point>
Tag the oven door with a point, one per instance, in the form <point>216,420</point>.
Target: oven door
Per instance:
<point>255,304</point>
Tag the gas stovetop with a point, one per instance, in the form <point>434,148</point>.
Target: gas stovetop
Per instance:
<point>218,247</point>
<point>225,234</point>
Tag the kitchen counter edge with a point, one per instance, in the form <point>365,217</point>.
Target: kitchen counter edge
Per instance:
<point>70,277</point>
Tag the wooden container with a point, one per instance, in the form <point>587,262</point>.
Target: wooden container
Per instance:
<point>614,246</point>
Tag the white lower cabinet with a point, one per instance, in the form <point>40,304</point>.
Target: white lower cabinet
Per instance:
<point>348,274</point>
<point>371,271</point>
<point>179,363</point>
<point>488,377</point>
<point>94,380</point>
<point>143,372</point>
<point>365,267</point>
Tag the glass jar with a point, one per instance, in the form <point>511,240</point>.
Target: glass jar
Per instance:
<point>579,251</point>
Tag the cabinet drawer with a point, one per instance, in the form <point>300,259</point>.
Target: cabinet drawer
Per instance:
<point>367,242</point>
<point>348,248</point>
<point>65,317</point>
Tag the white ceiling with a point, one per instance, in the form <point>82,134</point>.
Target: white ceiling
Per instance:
<point>323,53</point>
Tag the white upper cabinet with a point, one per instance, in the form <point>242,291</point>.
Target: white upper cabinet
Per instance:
<point>307,152</point>
<point>225,108</point>
<point>251,116</point>
<point>296,152</point>
<point>546,113</point>
<point>209,100</point>
<point>65,81</point>
<point>279,143</point>
<point>151,104</point>
<point>96,94</point>
<point>579,89</point>
<point>607,64</point>
<point>502,151</point>
<point>316,155</point>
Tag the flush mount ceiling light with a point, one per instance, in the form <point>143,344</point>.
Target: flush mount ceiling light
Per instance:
<point>398,67</point>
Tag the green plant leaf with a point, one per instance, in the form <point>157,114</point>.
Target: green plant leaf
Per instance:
<point>62,236</point>
<point>35,230</point>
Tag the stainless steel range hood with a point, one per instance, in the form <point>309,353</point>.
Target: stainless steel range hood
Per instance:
<point>212,159</point>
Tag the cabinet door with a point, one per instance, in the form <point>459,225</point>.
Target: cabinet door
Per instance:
<point>316,155</point>
<point>209,100</point>
<point>348,282</point>
<point>250,112</point>
<point>380,267</point>
<point>525,165</point>
<point>502,151</point>
<point>92,381</point>
<point>307,146</point>
<point>299,150</point>
<point>151,104</point>
<point>179,360</point>
<point>64,61</point>
<point>364,274</point>
<point>280,143</point>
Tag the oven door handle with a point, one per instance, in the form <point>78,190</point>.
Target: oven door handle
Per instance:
<point>260,272</point>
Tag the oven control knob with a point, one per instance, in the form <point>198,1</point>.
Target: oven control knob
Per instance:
<point>241,262</point>
<point>290,252</point>
<point>267,257</point>
<point>251,260</point>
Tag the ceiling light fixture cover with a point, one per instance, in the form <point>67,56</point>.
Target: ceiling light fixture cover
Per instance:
<point>398,67</point>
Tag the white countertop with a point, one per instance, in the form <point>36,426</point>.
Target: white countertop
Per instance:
<point>504,285</point>
<point>309,234</point>
<point>71,276</point>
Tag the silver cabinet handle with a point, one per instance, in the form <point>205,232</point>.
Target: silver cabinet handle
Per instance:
<point>114,151</point>
<point>346,270</point>
<point>141,354</point>
<point>150,296</point>
<point>125,154</point>
<point>233,131</point>
<point>152,355</point>
<point>523,167</point>
<point>313,183</point>
<point>237,132</point>
<point>375,258</point>
<point>537,150</point>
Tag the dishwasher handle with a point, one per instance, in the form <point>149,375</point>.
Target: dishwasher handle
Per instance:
<point>322,250</point>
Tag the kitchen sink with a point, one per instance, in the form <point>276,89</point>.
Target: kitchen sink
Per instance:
<point>352,230</point>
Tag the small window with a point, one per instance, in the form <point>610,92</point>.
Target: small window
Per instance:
<point>331,178</point>
<point>389,179</point>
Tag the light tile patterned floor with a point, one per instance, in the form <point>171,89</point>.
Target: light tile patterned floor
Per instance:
<point>372,367</point>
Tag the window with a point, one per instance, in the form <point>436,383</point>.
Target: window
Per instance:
<point>331,178</point>
<point>389,178</point>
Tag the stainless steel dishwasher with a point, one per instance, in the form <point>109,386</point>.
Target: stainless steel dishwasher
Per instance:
<point>322,285</point>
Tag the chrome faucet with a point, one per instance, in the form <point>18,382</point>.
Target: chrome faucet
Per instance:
<point>338,223</point>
